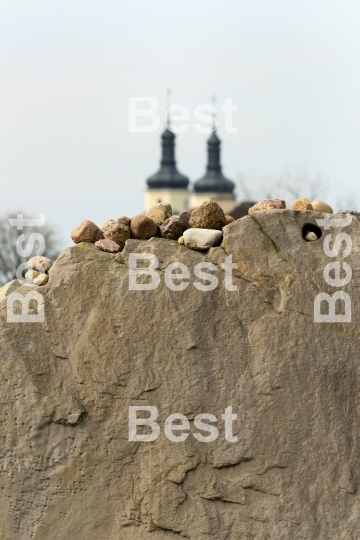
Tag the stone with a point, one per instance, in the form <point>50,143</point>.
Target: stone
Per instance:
<point>117,231</point>
<point>301,204</point>
<point>229,219</point>
<point>351,212</point>
<point>310,236</point>
<point>172,228</point>
<point>9,288</point>
<point>208,215</point>
<point>36,277</point>
<point>108,245</point>
<point>184,218</point>
<point>159,213</point>
<point>321,206</point>
<point>86,231</point>
<point>69,470</point>
<point>143,228</point>
<point>181,240</point>
<point>268,204</point>
<point>40,263</point>
<point>202,239</point>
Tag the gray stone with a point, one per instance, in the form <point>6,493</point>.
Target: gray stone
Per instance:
<point>202,239</point>
<point>310,236</point>
<point>351,212</point>
<point>68,469</point>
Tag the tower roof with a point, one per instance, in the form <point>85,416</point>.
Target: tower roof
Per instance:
<point>214,180</point>
<point>168,176</point>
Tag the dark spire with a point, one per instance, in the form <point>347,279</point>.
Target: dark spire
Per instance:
<point>168,176</point>
<point>214,180</point>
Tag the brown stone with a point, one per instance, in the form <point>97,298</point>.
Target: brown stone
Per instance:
<point>321,206</point>
<point>301,204</point>
<point>172,228</point>
<point>184,218</point>
<point>108,245</point>
<point>181,240</point>
<point>268,204</point>
<point>40,263</point>
<point>229,219</point>
<point>87,231</point>
<point>117,231</point>
<point>143,228</point>
<point>209,215</point>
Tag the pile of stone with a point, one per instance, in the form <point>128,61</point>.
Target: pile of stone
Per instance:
<point>300,204</point>
<point>38,270</point>
<point>199,229</point>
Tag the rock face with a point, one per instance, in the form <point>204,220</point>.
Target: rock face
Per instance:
<point>68,469</point>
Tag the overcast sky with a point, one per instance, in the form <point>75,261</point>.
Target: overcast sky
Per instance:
<point>68,68</point>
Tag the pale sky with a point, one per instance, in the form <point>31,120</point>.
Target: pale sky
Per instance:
<point>68,68</point>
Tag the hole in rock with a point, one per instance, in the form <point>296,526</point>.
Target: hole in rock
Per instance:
<point>311,232</point>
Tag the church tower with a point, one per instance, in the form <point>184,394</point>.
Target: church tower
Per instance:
<point>168,185</point>
<point>213,185</point>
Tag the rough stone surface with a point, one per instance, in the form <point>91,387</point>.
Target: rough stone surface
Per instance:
<point>321,206</point>
<point>202,239</point>
<point>40,263</point>
<point>8,288</point>
<point>86,231</point>
<point>172,228</point>
<point>159,213</point>
<point>68,470</point>
<point>229,219</point>
<point>268,204</point>
<point>310,236</point>
<point>184,218</point>
<point>108,245</point>
<point>301,204</point>
<point>351,212</point>
<point>142,228</point>
<point>117,231</point>
<point>208,215</point>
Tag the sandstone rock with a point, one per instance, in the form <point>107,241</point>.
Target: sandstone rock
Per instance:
<point>320,206</point>
<point>40,263</point>
<point>351,212</point>
<point>268,204</point>
<point>86,231</point>
<point>159,213</point>
<point>117,231</point>
<point>184,218</point>
<point>143,228</point>
<point>9,288</point>
<point>181,240</point>
<point>310,236</point>
<point>202,239</point>
<point>108,245</point>
<point>68,469</point>
<point>229,219</point>
<point>209,215</point>
<point>301,204</point>
<point>172,228</point>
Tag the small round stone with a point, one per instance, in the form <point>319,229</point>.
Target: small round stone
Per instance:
<point>31,275</point>
<point>42,264</point>
<point>181,240</point>
<point>321,206</point>
<point>42,279</point>
<point>310,236</point>
<point>143,228</point>
<point>301,204</point>
<point>108,245</point>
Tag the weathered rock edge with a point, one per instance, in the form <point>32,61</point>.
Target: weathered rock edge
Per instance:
<point>67,468</point>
